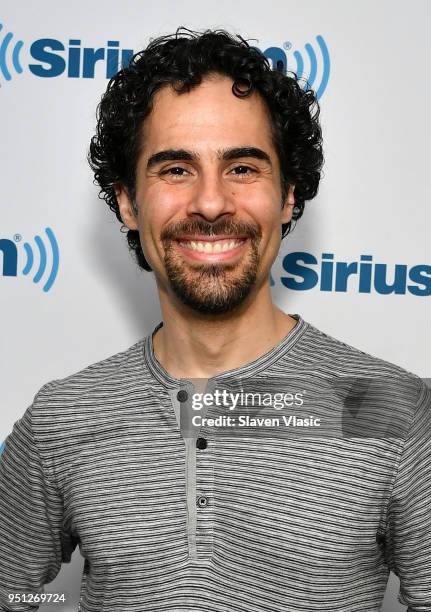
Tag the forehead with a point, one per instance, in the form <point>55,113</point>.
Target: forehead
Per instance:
<point>209,115</point>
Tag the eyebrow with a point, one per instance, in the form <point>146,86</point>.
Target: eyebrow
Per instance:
<point>225,154</point>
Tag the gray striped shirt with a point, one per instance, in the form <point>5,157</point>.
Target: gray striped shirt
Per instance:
<point>233,522</point>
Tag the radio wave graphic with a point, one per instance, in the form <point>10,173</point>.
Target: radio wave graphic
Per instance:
<point>53,245</point>
<point>326,65</point>
<point>15,50</point>
<point>281,63</point>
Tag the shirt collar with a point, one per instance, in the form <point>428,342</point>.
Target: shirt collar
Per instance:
<point>247,370</point>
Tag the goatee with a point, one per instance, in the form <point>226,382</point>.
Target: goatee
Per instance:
<point>214,288</point>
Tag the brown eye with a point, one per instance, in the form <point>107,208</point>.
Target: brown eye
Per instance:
<point>242,170</point>
<point>175,171</point>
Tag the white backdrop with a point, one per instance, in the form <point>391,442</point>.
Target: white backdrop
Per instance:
<point>374,197</point>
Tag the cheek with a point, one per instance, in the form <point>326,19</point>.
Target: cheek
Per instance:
<point>263,207</point>
<point>158,208</point>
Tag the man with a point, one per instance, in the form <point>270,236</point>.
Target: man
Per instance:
<point>207,156</point>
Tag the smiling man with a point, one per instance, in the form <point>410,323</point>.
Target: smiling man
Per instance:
<point>208,206</point>
<point>207,155</point>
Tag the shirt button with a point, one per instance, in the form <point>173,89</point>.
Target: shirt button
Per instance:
<point>182,395</point>
<point>201,443</point>
<point>202,501</point>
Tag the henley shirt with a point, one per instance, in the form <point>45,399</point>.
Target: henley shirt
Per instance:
<point>222,523</point>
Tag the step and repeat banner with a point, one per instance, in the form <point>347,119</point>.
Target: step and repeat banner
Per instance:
<point>358,263</point>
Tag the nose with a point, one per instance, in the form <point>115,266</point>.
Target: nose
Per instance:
<point>211,198</point>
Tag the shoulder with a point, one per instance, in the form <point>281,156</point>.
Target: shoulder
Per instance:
<point>95,394</point>
<point>328,351</point>
<point>322,354</point>
<point>106,373</point>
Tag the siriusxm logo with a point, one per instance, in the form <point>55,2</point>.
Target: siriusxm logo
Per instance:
<point>46,268</point>
<point>304,271</point>
<point>283,62</point>
<point>50,57</point>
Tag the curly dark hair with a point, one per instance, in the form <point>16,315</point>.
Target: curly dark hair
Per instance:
<point>182,59</point>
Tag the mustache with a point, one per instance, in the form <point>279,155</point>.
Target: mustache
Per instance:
<point>220,227</point>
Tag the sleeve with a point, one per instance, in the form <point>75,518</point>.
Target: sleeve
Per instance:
<point>409,512</point>
<point>32,541</point>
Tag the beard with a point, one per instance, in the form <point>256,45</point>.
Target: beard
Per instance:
<point>211,288</point>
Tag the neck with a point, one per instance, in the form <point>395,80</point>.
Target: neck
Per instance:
<point>192,345</point>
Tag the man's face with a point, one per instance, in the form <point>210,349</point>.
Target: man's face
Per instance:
<point>208,194</point>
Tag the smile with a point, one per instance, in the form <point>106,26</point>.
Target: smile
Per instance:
<point>218,246</point>
<point>211,248</point>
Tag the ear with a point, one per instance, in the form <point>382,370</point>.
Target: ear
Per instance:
<point>126,208</point>
<point>288,205</point>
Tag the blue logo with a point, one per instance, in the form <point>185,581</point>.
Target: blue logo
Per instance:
<point>304,271</point>
<point>281,61</point>
<point>52,58</point>
<point>1,447</point>
<point>42,247</point>
<point>15,49</point>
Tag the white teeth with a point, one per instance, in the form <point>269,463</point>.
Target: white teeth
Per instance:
<point>212,247</point>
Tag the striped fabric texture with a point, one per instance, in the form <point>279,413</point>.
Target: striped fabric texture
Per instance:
<point>244,523</point>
